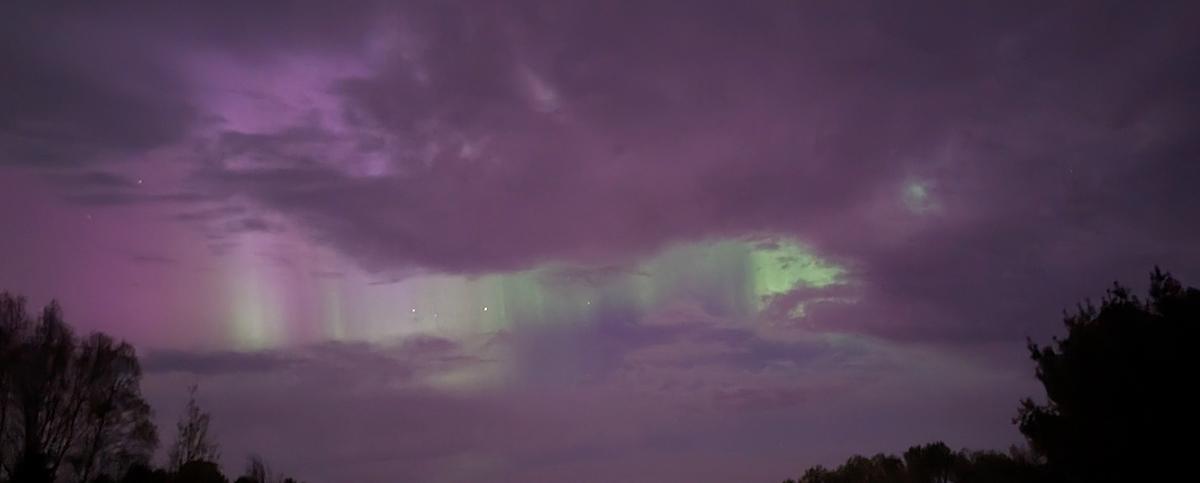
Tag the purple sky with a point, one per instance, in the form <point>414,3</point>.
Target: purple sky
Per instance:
<point>532,241</point>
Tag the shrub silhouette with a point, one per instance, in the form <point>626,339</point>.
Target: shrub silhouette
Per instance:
<point>1118,387</point>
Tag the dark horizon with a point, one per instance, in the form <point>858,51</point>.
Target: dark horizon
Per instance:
<point>526,241</point>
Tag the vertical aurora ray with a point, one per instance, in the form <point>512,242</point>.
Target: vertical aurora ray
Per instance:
<point>335,323</point>
<point>256,311</point>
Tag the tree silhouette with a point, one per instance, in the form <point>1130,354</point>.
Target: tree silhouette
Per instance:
<point>931,463</point>
<point>143,473</point>
<point>119,432</point>
<point>996,467</point>
<point>258,471</point>
<point>192,441</point>
<point>199,471</point>
<point>1118,387</point>
<point>13,319</point>
<point>71,408</point>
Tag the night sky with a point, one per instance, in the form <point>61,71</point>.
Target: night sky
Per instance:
<point>592,241</point>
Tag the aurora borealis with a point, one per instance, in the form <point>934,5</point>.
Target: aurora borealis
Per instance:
<point>734,279</point>
<point>524,241</point>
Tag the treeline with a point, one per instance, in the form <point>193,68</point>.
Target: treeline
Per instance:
<point>71,410</point>
<point>1120,403</point>
<point>202,471</point>
<point>934,463</point>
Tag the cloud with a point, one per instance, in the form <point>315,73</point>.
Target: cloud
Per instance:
<point>253,224</point>
<point>482,139</point>
<point>62,108</point>
<point>329,274</point>
<point>94,179</point>
<point>334,412</point>
<point>144,258</point>
<point>414,356</point>
<point>484,180</point>
<point>814,126</point>
<point>106,198</point>
<point>210,214</point>
<point>220,363</point>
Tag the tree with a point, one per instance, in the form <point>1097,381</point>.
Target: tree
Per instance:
<point>258,471</point>
<point>119,433</point>
<point>928,463</point>
<point>13,322</point>
<point>70,408</point>
<point>1118,387</point>
<point>996,467</point>
<point>192,442</point>
<point>143,473</point>
<point>931,463</point>
<point>45,398</point>
<point>199,471</point>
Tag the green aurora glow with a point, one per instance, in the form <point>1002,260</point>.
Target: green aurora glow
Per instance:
<point>732,279</point>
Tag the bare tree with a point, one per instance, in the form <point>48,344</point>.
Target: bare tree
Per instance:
<point>47,399</point>
<point>118,433</point>
<point>192,442</point>
<point>67,401</point>
<point>13,322</point>
<point>257,470</point>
